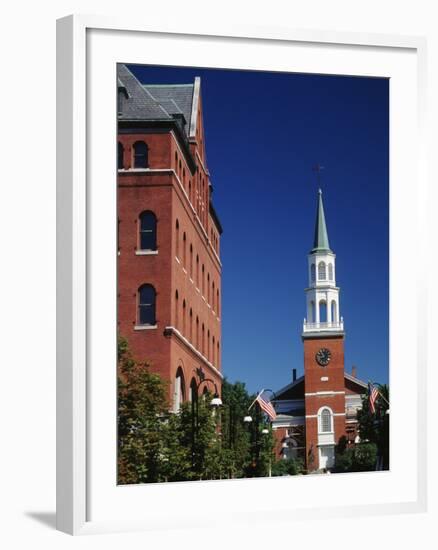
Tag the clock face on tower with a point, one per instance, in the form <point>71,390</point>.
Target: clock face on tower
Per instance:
<point>323,357</point>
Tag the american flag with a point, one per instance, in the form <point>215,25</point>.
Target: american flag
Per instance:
<point>266,407</point>
<point>373,393</point>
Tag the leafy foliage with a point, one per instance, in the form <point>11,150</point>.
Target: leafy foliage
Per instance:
<point>288,467</point>
<point>196,443</point>
<point>374,427</point>
<point>235,433</point>
<point>142,420</point>
<point>359,458</point>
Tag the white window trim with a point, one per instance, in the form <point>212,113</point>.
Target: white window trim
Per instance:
<point>140,252</point>
<point>332,427</point>
<point>145,327</point>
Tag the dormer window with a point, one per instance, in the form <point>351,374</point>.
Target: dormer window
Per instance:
<point>122,95</point>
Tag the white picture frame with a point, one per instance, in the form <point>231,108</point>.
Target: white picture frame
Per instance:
<point>79,40</point>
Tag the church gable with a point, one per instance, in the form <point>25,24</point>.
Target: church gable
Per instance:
<point>294,390</point>
<point>354,385</point>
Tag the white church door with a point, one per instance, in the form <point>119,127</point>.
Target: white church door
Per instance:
<point>326,456</point>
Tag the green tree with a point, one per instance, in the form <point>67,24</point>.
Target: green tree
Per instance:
<point>364,458</point>
<point>261,445</point>
<point>235,433</point>
<point>196,443</point>
<point>287,467</point>
<point>198,432</point>
<point>359,458</point>
<point>142,420</point>
<point>374,427</point>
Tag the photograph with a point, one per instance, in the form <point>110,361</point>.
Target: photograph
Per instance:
<point>252,274</point>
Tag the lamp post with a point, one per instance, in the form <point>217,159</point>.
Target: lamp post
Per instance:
<point>248,420</point>
<point>215,403</point>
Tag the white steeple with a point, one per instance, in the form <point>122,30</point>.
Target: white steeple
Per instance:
<point>322,294</point>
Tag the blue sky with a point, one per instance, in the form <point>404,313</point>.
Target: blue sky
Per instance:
<point>264,132</point>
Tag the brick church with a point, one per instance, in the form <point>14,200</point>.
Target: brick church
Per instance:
<point>169,267</point>
<point>315,410</point>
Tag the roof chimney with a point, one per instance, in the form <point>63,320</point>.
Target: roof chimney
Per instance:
<point>354,371</point>
<point>294,375</point>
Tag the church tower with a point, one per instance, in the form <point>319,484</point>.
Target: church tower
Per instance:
<point>323,339</point>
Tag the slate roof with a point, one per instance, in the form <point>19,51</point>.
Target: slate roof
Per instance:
<point>138,104</point>
<point>154,102</point>
<point>175,98</point>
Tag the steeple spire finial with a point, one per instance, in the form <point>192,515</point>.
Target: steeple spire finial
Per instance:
<point>320,240</point>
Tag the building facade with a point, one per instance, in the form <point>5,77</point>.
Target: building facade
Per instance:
<point>317,409</point>
<point>169,267</point>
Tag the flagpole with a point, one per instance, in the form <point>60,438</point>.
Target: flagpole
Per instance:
<point>258,395</point>
<point>380,393</point>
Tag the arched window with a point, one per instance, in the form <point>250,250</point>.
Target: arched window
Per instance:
<point>212,298</point>
<point>184,318</point>
<point>330,272</point>
<point>323,311</point>
<point>213,351</point>
<point>197,333</point>
<point>193,391</point>
<point>312,273</point>
<point>197,270</point>
<point>191,325</point>
<point>140,154</point>
<point>203,280</point>
<point>218,355</point>
<point>325,420</point>
<point>146,305</point>
<point>120,151</point>
<point>334,312</point>
<point>176,309</point>
<point>148,231</point>
<point>312,312</point>
<point>177,238</point>
<point>179,390</point>
<point>217,302</point>
<point>184,250</point>
<point>321,271</point>
<point>208,288</point>
<point>191,261</point>
<point>203,340</point>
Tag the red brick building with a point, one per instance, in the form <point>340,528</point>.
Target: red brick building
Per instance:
<point>317,409</point>
<point>169,268</point>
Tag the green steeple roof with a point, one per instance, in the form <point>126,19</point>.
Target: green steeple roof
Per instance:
<point>320,241</point>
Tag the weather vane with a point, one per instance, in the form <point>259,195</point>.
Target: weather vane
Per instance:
<point>317,169</point>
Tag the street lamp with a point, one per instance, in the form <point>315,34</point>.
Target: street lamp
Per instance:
<point>216,401</point>
<point>247,419</point>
